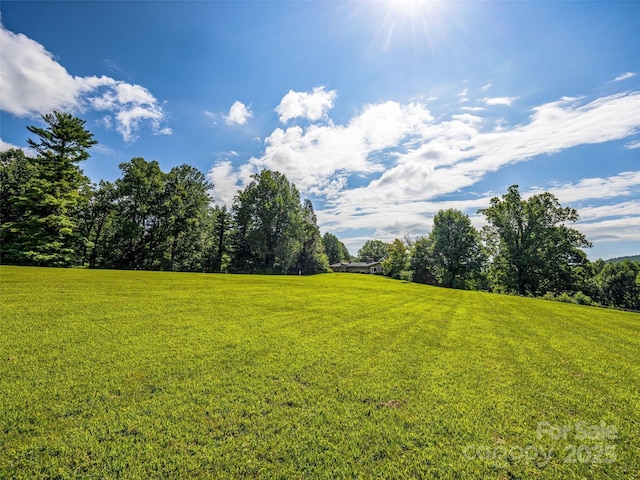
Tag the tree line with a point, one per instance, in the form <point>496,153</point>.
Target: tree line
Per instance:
<point>52,215</point>
<point>525,249</point>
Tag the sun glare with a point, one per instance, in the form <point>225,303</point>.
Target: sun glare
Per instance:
<point>413,8</point>
<point>417,20</point>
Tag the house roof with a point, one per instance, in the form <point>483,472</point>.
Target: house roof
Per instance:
<point>355,264</point>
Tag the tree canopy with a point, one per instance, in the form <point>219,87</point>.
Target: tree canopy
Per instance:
<point>375,250</point>
<point>456,249</point>
<point>335,250</point>
<point>533,250</point>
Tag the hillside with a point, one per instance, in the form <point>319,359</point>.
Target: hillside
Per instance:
<point>150,375</point>
<point>633,258</point>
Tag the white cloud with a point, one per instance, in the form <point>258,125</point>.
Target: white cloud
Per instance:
<point>456,154</point>
<point>128,120</point>
<point>238,114</point>
<point>622,209</point>
<point>623,184</point>
<point>632,145</point>
<point>312,106</point>
<point>408,164</point>
<point>500,100</point>
<point>624,76</point>
<point>225,183</point>
<point>486,87</point>
<point>623,229</point>
<point>319,158</point>
<point>4,146</point>
<point>33,82</point>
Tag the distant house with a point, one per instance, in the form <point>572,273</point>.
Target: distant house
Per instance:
<point>358,267</point>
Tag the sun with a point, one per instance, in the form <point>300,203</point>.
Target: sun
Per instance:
<point>414,8</point>
<point>416,20</point>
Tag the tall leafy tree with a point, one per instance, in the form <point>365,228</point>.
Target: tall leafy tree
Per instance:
<point>16,173</point>
<point>619,284</point>
<point>46,232</point>
<point>161,220</point>
<point>397,259</point>
<point>421,261</point>
<point>95,219</point>
<point>533,250</point>
<point>221,226</point>
<point>312,258</point>
<point>136,238</point>
<point>375,250</point>
<point>268,224</point>
<point>186,204</point>
<point>455,248</point>
<point>336,250</point>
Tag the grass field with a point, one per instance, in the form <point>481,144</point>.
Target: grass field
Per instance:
<point>107,374</point>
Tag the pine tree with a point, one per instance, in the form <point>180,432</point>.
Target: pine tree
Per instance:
<point>45,231</point>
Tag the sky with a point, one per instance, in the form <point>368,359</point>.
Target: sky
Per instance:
<point>381,113</point>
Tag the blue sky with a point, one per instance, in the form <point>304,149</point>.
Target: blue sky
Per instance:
<point>382,113</point>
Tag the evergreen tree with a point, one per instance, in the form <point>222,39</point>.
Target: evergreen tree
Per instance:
<point>45,230</point>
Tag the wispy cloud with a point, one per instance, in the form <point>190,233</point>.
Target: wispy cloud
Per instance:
<point>238,114</point>
<point>620,185</point>
<point>623,229</point>
<point>624,76</point>
<point>33,82</point>
<point>312,105</point>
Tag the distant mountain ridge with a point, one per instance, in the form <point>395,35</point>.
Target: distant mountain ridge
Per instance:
<point>633,258</point>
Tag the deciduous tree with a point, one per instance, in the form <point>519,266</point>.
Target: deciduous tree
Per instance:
<point>397,259</point>
<point>312,258</point>
<point>619,284</point>
<point>456,249</point>
<point>421,261</point>
<point>534,251</point>
<point>375,250</point>
<point>268,224</point>
<point>336,250</point>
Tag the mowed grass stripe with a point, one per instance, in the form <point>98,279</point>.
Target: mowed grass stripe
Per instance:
<point>115,374</point>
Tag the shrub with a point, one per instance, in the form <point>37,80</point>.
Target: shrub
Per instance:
<point>582,299</point>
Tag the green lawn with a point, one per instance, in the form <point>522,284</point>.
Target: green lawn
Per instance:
<point>107,374</point>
